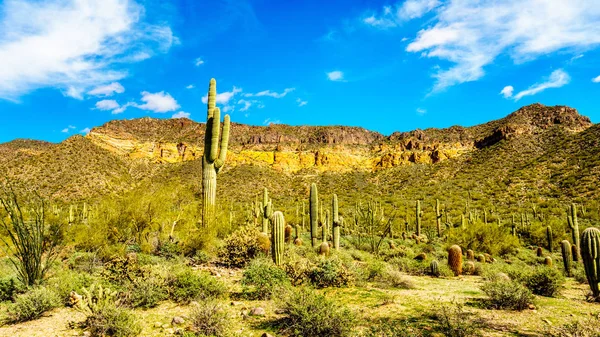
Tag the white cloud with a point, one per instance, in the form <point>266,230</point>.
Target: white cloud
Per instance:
<point>74,92</point>
<point>107,104</point>
<point>224,97</point>
<point>107,90</point>
<point>247,104</point>
<point>123,107</point>
<point>596,79</point>
<point>271,93</point>
<point>191,86</point>
<point>269,121</point>
<point>68,44</point>
<point>335,75</point>
<point>557,79</point>
<point>181,114</point>
<point>85,131</point>
<point>301,102</point>
<point>410,9</point>
<point>421,111</point>
<point>507,91</point>
<point>65,130</point>
<point>198,62</point>
<point>158,102</point>
<point>471,34</point>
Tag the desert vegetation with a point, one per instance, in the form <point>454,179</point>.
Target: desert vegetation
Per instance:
<point>393,253</point>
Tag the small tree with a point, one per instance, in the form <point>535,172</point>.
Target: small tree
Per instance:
<point>31,244</point>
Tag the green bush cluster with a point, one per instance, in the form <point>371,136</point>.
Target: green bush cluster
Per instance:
<point>33,304</point>
<point>262,279</point>
<point>187,286</point>
<point>507,294</point>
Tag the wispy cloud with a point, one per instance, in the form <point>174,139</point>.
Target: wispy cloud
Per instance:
<point>181,114</point>
<point>198,62</point>
<point>158,102</point>
<point>247,104</point>
<point>421,111</point>
<point>270,93</point>
<point>68,129</point>
<point>72,45</point>
<point>335,75</point>
<point>393,16</point>
<point>85,131</point>
<point>471,34</point>
<point>557,79</point>
<point>596,79</point>
<point>107,90</point>
<point>191,86</point>
<point>507,91</point>
<point>107,104</point>
<point>270,121</point>
<point>224,97</point>
<point>301,102</point>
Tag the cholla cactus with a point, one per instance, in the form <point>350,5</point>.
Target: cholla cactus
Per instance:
<point>214,155</point>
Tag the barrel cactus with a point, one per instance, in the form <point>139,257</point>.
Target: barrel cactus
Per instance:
<point>590,254</point>
<point>278,237</point>
<point>434,268</point>
<point>565,250</point>
<point>314,217</point>
<point>470,255</point>
<point>214,154</point>
<point>455,259</point>
<point>324,248</point>
<point>548,261</point>
<point>539,252</point>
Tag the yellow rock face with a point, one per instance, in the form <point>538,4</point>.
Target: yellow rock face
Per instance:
<point>332,158</point>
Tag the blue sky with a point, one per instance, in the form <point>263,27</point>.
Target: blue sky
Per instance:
<point>69,65</point>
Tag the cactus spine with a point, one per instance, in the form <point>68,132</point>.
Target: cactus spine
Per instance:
<point>455,259</point>
<point>336,222</point>
<point>590,254</point>
<point>574,226</point>
<point>278,237</point>
<point>418,215</point>
<point>565,249</point>
<point>214,154</point>
<point>314,210</point>
<point>549,238</point>
<point>438,218</point>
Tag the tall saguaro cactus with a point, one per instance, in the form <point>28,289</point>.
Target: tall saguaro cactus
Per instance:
<point>314,210</point>
<point>336,222</point>
<point>418,216</point>
<point>267,210</point>
<point>278,237</point>
<point>438,218</point>
<point>590,254</point>
<point>574,226</point>
<point>214,155</point>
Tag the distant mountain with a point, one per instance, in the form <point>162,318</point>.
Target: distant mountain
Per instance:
<point>548,151</point>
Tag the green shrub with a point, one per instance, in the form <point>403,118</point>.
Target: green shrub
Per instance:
<point>507,295</point>
<point>112,321</point>
<point>33,304</point>
<point>147,292</point>
<point>310,314</point>
<point>579,275</point>
<point>483,238</point>
<point>169,250</point>
<point>454,321</point>
<point>396,279</point>
<point>330,273</point>
<point>262,278</point>
<point>68,280</point>
<point>84,262</point>
<point>545,281</point>
<point>589,327</point>
<point>240,247</point>
<point>188,286</point>
<point>8,289</point>
<point>209,319</point>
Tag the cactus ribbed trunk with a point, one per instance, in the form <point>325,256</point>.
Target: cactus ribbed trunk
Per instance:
<point>278,237</point>
<point>565,249</point>
<point>590,254</point>
<point>314,210</point>
<point>418,216</point>
<point>336,222</point>
<point>574,225</point>
<point>438,218</point>
<point>209,192</point>
<point>549,238</point>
